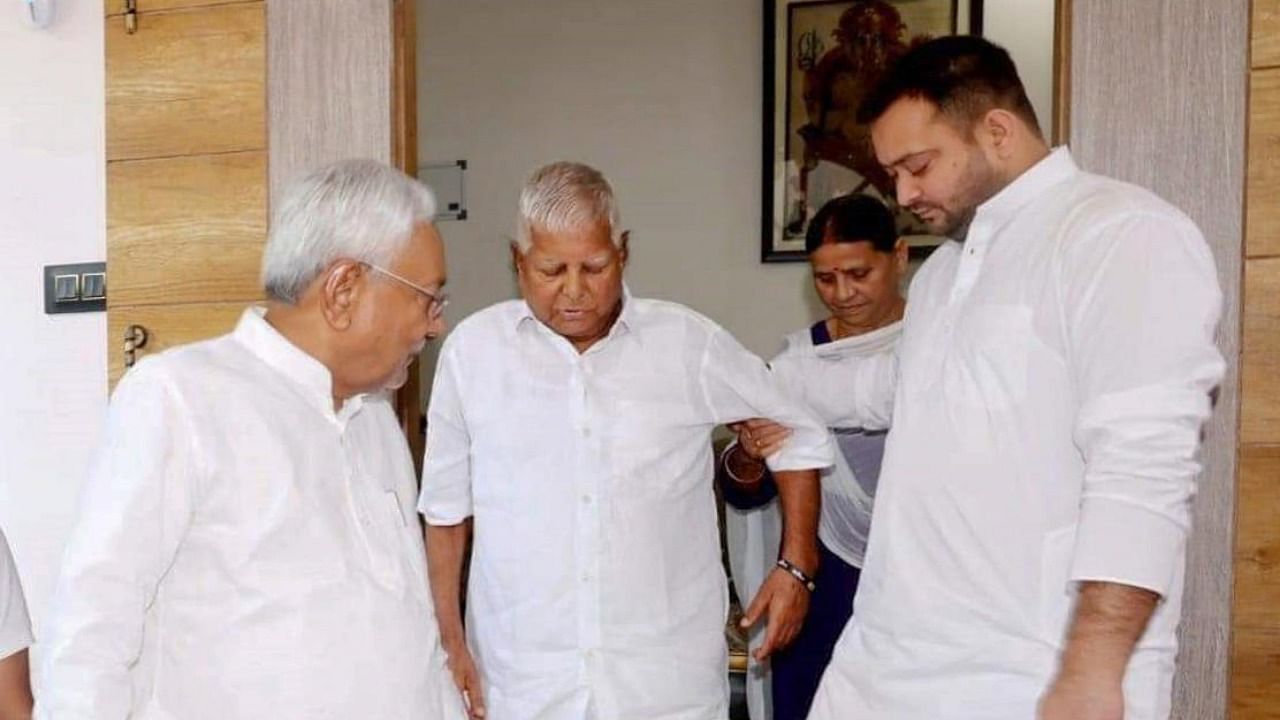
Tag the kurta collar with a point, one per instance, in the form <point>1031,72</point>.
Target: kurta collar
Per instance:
<point>311,377</point>
<point>626,322</point>
<point>1054,168</point>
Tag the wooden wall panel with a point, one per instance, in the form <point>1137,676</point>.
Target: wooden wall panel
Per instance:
<point>1258,551</point>
<point>1255,686</point>
<point>1260,384</point>
<point>167,326</point>
<point>186,169</point>
<point>146,7</point>
<point>187,83</point>
<point>1132,118</point>
<point>1255,680</point>
<point>1262,218</point>
<point>189,229</point>
<point>1266,34</point>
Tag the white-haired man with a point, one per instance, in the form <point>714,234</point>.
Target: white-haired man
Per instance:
<point>574,427</point>
<point>247,546</point>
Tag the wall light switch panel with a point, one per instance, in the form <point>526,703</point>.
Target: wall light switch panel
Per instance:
<point>79,287</point>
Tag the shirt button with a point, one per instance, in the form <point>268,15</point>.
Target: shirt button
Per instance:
<point>586,432</point>
<point>586,499</point>
<point>586,577</point>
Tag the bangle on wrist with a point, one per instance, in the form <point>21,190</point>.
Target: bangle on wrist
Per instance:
<point>728,468</point>
<point>798,574</point>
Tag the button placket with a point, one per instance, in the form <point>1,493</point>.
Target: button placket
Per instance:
<point>587,509</point>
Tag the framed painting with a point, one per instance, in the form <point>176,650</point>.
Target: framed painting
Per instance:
<point>821,58</point>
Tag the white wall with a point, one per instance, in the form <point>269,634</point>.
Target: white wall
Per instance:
<point>1025,29</point>
<point>665,97</point>
<point>52,368</point>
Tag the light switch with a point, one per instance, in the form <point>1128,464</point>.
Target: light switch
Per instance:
<point>66,288</point>
<point>75,288</point>
<point>93,286</point>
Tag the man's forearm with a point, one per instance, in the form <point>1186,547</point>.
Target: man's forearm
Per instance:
<point>800,497</point>
<point>1109,620</point>
<point>446,551</point>
<point>15,687</point>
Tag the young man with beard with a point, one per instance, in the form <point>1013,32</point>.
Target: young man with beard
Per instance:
<point>1052,381</point>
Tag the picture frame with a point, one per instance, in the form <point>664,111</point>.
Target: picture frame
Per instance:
<point>820,58</point>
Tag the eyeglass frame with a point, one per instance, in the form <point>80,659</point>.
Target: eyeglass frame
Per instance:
<point>438,301</point>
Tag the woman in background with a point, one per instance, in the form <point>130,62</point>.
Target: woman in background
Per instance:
<point>858,263</point>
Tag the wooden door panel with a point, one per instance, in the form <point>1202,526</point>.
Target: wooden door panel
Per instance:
<point>187,83</point>
<point>167,326</point>
<point>186,229</point>
<point>1260,353</point>
<point>1266,33</point>
<point>1255,674</point>
<point>1257,583</point>
<point>1262,203</point>
<point>146,7</point>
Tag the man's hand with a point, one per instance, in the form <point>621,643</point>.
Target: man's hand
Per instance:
<point>759,438</point>
<point>786,602</point>
<point>1073,697</point>
<point>467,677</point>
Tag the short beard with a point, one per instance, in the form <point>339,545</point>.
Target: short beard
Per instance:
<point>978,184</point>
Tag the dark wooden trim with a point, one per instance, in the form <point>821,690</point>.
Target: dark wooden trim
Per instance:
<point>404,155</point>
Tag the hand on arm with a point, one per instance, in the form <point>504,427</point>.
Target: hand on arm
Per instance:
<point>446,552</point>
<point>758,438</point>
<point>1109,620</point>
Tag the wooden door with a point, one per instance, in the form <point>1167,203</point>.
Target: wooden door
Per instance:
<point>186,168</point>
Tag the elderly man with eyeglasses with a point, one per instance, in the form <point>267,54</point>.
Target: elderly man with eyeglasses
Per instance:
<point>574,426</point>
<point>247,546</point>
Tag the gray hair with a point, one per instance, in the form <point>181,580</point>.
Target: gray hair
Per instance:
<point>565,196</point>
<point>361,210</point>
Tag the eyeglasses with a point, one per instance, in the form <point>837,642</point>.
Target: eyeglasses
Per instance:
<point>436,302</point>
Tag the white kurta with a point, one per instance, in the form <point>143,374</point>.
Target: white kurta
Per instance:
<point>15,626</point>
<point>245,552</point>
<point>1053,378</point>
<point>596,587</point>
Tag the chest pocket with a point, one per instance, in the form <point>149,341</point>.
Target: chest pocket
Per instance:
<point>988,363</point>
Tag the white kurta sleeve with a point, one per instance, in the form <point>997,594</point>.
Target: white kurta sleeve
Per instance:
<point>134,512</point>
<point>1141,301</point>
<point>15,626</point>
<point>738,386</point>
<point>855,392</point>
<point>446,470</point>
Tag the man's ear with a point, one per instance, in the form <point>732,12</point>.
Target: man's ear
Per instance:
<point>1001,127</point>
<point>624,248</point>
<point>516,256</point>
<point>340,288</point>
